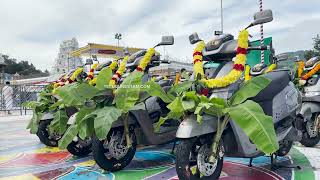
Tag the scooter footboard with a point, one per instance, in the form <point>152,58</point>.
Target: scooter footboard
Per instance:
<point>189,127</point>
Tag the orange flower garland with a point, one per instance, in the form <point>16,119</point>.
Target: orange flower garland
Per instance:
<point>311,72</point>
<point>238,66</point>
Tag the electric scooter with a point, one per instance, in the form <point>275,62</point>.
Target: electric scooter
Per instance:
<point>51,139</point>
<point>310,111</point>
<point>280,99</point>
<point>113,154</point>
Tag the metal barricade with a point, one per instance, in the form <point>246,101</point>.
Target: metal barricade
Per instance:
<point>13,96</point>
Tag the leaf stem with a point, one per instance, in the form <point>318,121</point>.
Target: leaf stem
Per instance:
<point>126,129</point>
<point>217,138</point>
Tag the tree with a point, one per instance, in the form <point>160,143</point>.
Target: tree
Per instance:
<point>316,48</point>
<point>22,67</point>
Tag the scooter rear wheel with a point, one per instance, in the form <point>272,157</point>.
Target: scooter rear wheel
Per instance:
<point>79,149</point>
<point>188,169</point>
<point>44,136</point>
<point>103,155</point>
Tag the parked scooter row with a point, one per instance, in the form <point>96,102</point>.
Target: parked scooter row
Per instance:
<point>202,146</point>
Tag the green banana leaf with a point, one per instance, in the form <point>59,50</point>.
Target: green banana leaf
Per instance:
<point>249,89</point>
<point>127,95</point>
<point>59,122</point>
<point>154,89</point>
<point>104,118</point>
<point>34,122</point>
<point>103,78</point>
<point>68,136</point>
<point>258,126</point>
<point>181,87</point>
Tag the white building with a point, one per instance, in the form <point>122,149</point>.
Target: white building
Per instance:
<point>65,63</point>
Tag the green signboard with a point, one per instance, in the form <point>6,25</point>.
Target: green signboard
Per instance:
<point>254,57</point>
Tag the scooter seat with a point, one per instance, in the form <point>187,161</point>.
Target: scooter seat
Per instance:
<point>279,80</point>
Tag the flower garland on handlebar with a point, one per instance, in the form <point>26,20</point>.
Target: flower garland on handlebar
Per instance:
<point>146,60</point>
<point>122,68</point>
<point>238,66</point>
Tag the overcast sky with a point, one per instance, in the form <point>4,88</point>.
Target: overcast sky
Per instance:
<point>32,29</point>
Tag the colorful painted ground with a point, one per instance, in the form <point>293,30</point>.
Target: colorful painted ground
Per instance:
<point>22,156</point>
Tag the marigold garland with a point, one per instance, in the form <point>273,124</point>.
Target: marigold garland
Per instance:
<point>271,68</point>
<point>247,76</point>
<point>75,74</point>
<point>311,72</point>
<point>238,66</point>
<point>91,71</point>
<point>114,64</point>
<point>146,59</point>
<point>197,59</point>
<point>300,68</point>
<point>120,71</point>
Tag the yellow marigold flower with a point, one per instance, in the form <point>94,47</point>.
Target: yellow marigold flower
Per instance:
<point>247,73</point>
<point>93,81</point>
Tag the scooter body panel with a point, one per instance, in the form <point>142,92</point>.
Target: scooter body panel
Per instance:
<point>189,127</point>
<point>286,103</point>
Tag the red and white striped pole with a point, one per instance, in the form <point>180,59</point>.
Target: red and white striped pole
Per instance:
<point>261,34</point>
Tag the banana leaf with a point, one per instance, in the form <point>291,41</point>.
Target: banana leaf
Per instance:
<point>258,126</point>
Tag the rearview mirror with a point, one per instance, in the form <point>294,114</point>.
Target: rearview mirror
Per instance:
<point>94,58</point>
<point>89,61</point>
<point>194,38</point>
<point>262,17</point>
<point>166,40</point>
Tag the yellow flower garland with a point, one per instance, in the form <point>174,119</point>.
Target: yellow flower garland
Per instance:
<point>239,64</point>
<point>247,76</point>
<point>146,59</point>
<point>120,71</point>
<point>300,68</point>
<point>271,68</point>
<point>197,59</point>
<point>76,73</point>
<point>114,64</point>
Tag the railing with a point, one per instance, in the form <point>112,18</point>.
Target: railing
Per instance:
<point>13,96</point>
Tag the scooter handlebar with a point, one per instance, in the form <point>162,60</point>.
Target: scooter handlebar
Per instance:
<point>258,48</point>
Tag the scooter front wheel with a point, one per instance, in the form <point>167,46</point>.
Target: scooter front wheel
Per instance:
<point>112,154</point>
<point>44,136</point>
<point>311,127</point>
<point>192,160</point>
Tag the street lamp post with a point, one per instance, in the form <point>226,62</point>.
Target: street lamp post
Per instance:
<point>118,36</point>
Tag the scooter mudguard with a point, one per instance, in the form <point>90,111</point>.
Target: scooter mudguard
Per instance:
<point>46,116</point>
<point>307,109</point>
<point>189,127</point>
